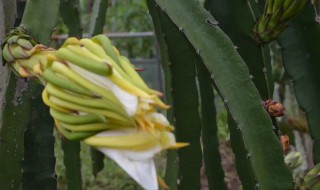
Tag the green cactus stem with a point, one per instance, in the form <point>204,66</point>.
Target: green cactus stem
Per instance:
<point>40,128</point>
<point>39,160</point>
<point>185,103</point>
<point>98,17</point>
<point>97,22</point>
<point>232,79</point>
<point>19,109</point>
<point>15,119</point>
<point>71,14</point>
<point>238,27</point>
<point>243,164</point>
<point>212,159</point>
<point>72,162</point>
<point>172,167</point>
<point>301,61</point>
<point>11,151</point>
<point>39,18</point>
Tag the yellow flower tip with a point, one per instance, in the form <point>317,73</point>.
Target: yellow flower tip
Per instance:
<point>162,183</point>
<point>162,105</point>
<point>37,69</point>
<point>157,93</point>
<point>165,106</point>
<point>170,128</point>
<point>178,145</point>
<point>51,58</point>
<point>140,123</point>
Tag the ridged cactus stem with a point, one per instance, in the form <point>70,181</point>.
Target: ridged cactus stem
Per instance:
<point>15,119</point>
<point>71,14</point>
<point>98,17</point>
<point>172,167</point>
<point>243,164</point>
<point>185,102</point>
<point>212,159</point>
<point>301,61</point>
<point>231,76</point>
<point>39,160</point>
<point>72,162</point>
<point>10,150</point>
<point>39,18</point>
<point>256,7</point>
<point>97,22</point>
<point>239,28</point>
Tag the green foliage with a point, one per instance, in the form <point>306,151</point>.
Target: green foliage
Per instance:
<point>131,16</point>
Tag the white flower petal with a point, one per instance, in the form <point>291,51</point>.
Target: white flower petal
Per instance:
<point>139,165</point>
<point>129,101</point>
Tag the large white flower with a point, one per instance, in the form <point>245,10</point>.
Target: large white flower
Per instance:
<point>96,95</point>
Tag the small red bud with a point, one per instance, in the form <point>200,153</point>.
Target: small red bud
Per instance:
<point>284,139</point>
<point>274,109</point>
<point>139,69</point>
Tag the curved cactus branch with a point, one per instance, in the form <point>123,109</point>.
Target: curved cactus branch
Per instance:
<point>39,18</point>
<point>212,159</point>
<point>71,14</point>
<point>232,78</point>
<point>185,103</point>
<point>97,22</point>
<point>301,61</point>
<point>172,167</point>
<point>14,123</point>
<point>19,98</point>
<point>98,17</point>
<point>239,28</point>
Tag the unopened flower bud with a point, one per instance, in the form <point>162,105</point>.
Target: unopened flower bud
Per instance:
<point>274,109</point>
<point>284,139</point>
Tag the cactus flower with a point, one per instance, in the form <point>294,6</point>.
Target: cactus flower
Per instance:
<point>95,95</point>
